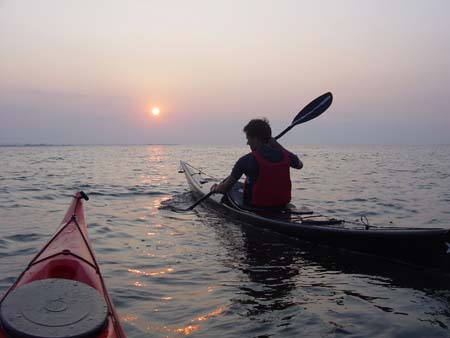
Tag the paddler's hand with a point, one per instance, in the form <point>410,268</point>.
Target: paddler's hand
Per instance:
<point>224,186</point>
<point>218,188</point>
<point>214,188</point>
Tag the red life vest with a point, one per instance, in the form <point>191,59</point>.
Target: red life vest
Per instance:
<point>273,185</point>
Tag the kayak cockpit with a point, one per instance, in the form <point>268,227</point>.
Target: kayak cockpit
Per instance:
<point>288,213</point>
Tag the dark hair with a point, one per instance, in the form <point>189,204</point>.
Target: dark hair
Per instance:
<point>260,129</point>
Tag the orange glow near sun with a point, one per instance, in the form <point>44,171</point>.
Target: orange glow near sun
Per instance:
<point>155,111</point>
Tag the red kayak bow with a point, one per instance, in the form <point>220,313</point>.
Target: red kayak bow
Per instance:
<point>61,293</point>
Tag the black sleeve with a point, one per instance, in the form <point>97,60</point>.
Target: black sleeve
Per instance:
<point>240,167</point>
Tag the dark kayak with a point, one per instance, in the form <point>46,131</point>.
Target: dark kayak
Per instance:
<point>61,293</point>
<point>423,247</point>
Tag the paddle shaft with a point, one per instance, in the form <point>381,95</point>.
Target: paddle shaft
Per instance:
<point>199,201</point>
<point>284,132</point>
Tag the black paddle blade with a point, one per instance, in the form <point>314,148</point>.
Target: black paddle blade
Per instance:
<point>313,109</point>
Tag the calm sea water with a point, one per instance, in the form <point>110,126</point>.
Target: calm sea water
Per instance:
<point>196,274</point>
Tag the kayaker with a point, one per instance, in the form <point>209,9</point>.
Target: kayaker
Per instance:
<point>266,168</point>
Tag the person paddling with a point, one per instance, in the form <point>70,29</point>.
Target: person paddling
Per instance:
<point>266,168</point>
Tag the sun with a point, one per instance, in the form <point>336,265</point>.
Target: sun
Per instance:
<point>155,111</point>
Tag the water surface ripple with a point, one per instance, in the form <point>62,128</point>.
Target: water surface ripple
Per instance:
<point>196,274</point>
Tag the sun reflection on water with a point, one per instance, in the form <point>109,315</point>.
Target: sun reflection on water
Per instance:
<point>213,313</point>
<point>188,329</point>
<point>157,203</point>
<point>151,273</point>
<point>171,331</point>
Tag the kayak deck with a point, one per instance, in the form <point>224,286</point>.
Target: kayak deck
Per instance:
<point>68,255</point>
<point>425,247</point>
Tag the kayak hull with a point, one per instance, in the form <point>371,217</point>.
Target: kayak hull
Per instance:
<point>69,255</point>
<point>424,247</point>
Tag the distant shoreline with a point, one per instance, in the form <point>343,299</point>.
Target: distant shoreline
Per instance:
<point>82,145</point>
<point>32,145</point>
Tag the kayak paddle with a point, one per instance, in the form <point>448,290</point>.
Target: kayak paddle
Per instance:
<point>309,112</point>
<point>197,203</point>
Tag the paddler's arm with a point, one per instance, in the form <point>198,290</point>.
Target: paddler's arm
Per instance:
<point>224,186</point>
<point>296,163</point>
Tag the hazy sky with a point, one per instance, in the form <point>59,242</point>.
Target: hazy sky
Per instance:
<point>90,71</point>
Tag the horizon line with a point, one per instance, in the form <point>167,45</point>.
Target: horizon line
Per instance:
<point>24,145</point>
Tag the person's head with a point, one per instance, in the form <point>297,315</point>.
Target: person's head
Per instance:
<point>258,132</point>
